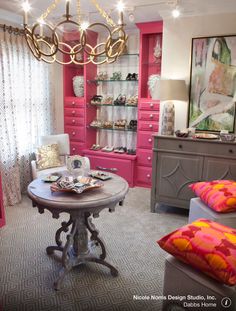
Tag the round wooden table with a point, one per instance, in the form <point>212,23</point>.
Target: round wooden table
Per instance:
<point>78,247</point>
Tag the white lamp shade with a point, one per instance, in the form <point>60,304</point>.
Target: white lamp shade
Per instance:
<point>171,90</point>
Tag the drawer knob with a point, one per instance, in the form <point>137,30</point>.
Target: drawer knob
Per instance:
<point>180,146</point>
<point>148,175</point>
<point>231,151</point>
<point>73,121</point>
<point>151,126</point>
<point>151,105</point>
<point>151,116</point>
<point>73,133</point>
<point>73,103</point>
<point>149,140</point>
<point>73,112</point>
<point>73,149</point>
<point>149,158</point>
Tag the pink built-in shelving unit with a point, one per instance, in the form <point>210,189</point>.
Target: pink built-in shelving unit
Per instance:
<point>78,113</point>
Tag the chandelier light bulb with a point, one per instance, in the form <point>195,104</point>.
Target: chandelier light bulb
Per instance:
<point>176,13</point>
<point>120,6</point>
<point>26,6</point>
<point>84,25</point>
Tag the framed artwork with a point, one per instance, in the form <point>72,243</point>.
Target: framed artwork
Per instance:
<point>213,84</point>
<point>76,164</point>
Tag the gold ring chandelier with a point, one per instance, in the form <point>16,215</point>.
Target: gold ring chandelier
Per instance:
<point>48,43</point>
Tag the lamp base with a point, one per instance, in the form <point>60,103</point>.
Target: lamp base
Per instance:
<point>168,119</point>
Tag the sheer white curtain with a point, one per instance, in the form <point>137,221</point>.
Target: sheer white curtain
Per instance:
<point>26,112</point>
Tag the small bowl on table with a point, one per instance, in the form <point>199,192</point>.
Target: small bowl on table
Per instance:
<point>180,133</point>
<point>227,137</point>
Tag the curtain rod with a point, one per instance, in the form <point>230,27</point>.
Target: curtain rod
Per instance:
<point>12,30</point>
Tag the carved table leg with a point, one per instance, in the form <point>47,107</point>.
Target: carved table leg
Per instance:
<point>64,228</point>
<point>66,257</point>
<point>94,235</point>
<point>76,250</point>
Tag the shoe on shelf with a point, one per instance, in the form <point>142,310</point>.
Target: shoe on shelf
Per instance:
<point>132,100</point>
<point>120,101</point>
<point>108,100</point>
<point>131,151</point>
<point>129,77</point>
<point>134,77</point>
<point>108,124</point>
<point>101,76</point>
<point>132,125</point>
<point>96,123</point>
<point>93,147</point>
<point>96,99</point>
<point>116,75</point>
<point>108,149</point>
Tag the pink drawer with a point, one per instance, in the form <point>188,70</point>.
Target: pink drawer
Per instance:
<point>144,157</point>
<point>74,112</point>
<point>149,105</point>
<point>148,126</point>
<point>75,132</point>
<point>76,148</point>
<point>144,176</point>
<point>149,116</point>
<point>74,121</point>
<point>123,168</point>
<point>145,140</point>
<point>74,103</point>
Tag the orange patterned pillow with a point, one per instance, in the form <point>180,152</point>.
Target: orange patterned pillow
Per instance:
<point>207,246</point>
<point>219,195</point>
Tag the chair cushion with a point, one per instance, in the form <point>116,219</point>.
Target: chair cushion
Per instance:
<point>220,195</point>
<point>207,246</point>
<point>48,156</point>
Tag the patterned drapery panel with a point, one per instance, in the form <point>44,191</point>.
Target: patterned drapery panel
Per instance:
<point>26,112</point>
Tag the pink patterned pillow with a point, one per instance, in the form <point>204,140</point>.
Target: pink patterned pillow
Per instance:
<point>207,246</point>
<point>219,195</point>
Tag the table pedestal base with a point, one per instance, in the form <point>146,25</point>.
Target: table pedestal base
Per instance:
<point>78,249</point>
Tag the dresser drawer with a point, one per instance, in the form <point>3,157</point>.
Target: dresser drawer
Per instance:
<point>75,132</point>
<point>145,140</point>
<point>74,112</point>
<point>76,148</point>
<point>149,105</point>
<point>188,145</point>
<point>144,175</point>
<point>148,116</point>
<point>148,126</point>
<point>144,157</point>
<point>74,121</point>
<point>123,168</point>
<point>74,103</point>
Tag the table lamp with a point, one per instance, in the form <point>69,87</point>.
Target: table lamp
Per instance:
<point>169,91</point>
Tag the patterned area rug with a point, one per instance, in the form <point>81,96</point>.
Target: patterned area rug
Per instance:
<point>27,273</point>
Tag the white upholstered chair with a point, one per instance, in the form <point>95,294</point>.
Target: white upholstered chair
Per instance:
<point>64,149</point>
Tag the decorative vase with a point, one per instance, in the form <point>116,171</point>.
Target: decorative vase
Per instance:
<point>78,86</point>
<point>152,80</point>
<point>168,119</point>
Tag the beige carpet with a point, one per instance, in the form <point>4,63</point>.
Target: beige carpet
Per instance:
<point>130,233</point>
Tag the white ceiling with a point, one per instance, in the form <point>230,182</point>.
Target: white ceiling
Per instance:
<point>143,10</point>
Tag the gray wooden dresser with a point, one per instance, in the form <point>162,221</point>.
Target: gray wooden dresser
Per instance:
<point>178,162</point>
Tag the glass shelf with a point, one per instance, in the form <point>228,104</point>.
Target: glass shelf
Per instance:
<point>121,56</point>
<point>111,105</point>
<point>98,81</point>
<point>112,129</point>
